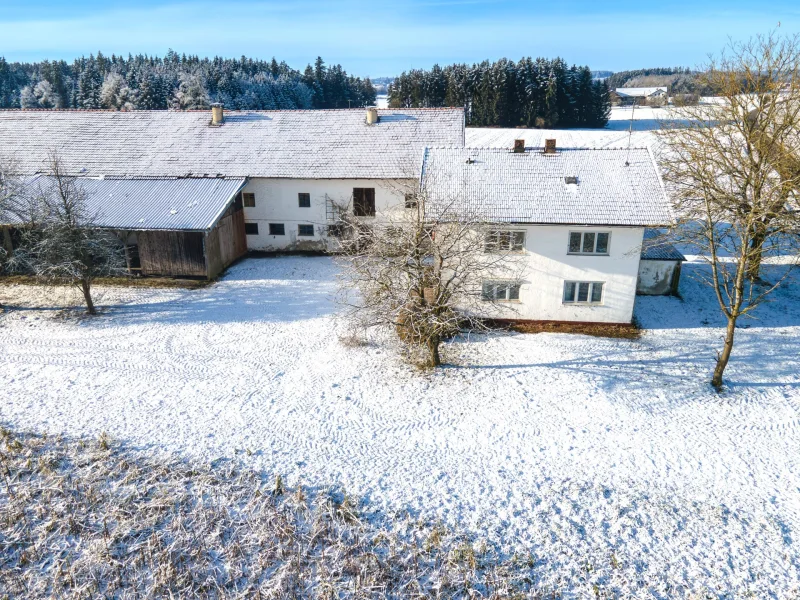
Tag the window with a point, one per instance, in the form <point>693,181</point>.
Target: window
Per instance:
<point>305,230</point>
<point>304,200</point>
<point>249,199</point>
<point>411,201</point>
<point>364,202</point>
<point>588,242</point>
<point>500,292</point>
<point>251,228</point>
<point>583,292</point>
<point>497,241</point>
<point>277,229</point>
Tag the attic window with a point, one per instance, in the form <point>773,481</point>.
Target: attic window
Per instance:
<point>571,180</point>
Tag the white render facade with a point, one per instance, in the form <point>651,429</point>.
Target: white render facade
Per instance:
<point>278,202</point>
<point>548,267</point>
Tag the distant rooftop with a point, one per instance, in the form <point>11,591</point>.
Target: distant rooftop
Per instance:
<point>319,144</point>
<point>645,92</point>
<point>498,185</point>
<point>174,204</point>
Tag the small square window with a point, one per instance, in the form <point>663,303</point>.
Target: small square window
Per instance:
<point>304,200</point>
<point>499,292</point>
<point>251,228</point>
<point>305,230</point>
<point>583,292</point>
<point>589,242</point>
<point>411,201</point>
<point>498,241</point>
<point>277,229</point>
<point>248,199</point>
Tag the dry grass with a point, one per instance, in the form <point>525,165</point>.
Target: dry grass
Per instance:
<point>609,330</point>
<point>90,519</point>
<point>131,282</point>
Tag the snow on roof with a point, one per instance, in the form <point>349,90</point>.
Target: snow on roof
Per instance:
<point>639,92</point>
<point>655,249</point>
<point>498,185</point>
<point>318,144</point>
<point>149,203</point>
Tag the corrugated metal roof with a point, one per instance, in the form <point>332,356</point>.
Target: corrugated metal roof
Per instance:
<point>192,204</point>
<point>501,186</point>
<point>310,144</point>
<point>654,248</point>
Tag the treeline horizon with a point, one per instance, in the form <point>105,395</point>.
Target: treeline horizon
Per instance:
<point>529,93</point>
<point>176,81</point>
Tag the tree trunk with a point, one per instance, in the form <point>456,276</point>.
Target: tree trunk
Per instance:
<point>725,355</point>
<point>756,245</point>
<point>87,295</point>
<point>434,360</point>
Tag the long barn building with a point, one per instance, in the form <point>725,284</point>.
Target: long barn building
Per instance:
<point>296,169</point>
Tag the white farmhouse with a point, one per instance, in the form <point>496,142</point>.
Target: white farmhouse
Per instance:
<point>641,95</point>
<point>576,216</point>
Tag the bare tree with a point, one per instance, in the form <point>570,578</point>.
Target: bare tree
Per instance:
<point>61,242</point>
<point>731,167</point>
<point>427,271</point>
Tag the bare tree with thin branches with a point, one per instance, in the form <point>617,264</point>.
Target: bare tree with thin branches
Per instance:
<point>732,170</point>
<point>62,242</point>
<point>422,269</point>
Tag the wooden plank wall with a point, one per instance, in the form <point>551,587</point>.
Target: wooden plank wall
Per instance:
<point>175,253</point>
<point>226,242</point>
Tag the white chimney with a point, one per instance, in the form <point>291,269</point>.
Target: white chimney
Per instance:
<point>217,116</point>
<point>372,115</point>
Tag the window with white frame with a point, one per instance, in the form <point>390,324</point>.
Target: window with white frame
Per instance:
<point>502,240</point>
<point>248,199</point>
<point>500,291</point>
<point>588,242</point>
<point>583,292</point>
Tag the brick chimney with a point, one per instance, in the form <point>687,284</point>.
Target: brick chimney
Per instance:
<point>550,146</point>
<point>519,146</point>
<point>217,116</point>
<point>372,115</point>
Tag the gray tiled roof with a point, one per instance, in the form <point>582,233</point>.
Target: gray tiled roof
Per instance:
<point>319,144</point>
<point>150,203</point>
<point>498,185</point>
<point>654,248</point>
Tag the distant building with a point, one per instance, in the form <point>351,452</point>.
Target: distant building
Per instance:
<point>641,96</point>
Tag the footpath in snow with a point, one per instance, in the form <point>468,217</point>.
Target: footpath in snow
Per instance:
<point>594,455</point>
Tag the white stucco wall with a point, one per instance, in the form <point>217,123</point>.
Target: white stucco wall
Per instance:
<point>656,277</point>
<point>548,265</point>
<point>277,202</point>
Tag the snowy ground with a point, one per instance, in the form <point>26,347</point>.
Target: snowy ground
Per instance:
<point>604,458</point>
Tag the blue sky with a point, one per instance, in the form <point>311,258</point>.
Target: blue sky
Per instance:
<point>383,38</point>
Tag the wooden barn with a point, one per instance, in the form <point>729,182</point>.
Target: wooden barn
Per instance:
<point>177,227</point>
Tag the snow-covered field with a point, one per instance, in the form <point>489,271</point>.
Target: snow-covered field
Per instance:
<point>605,459</point>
